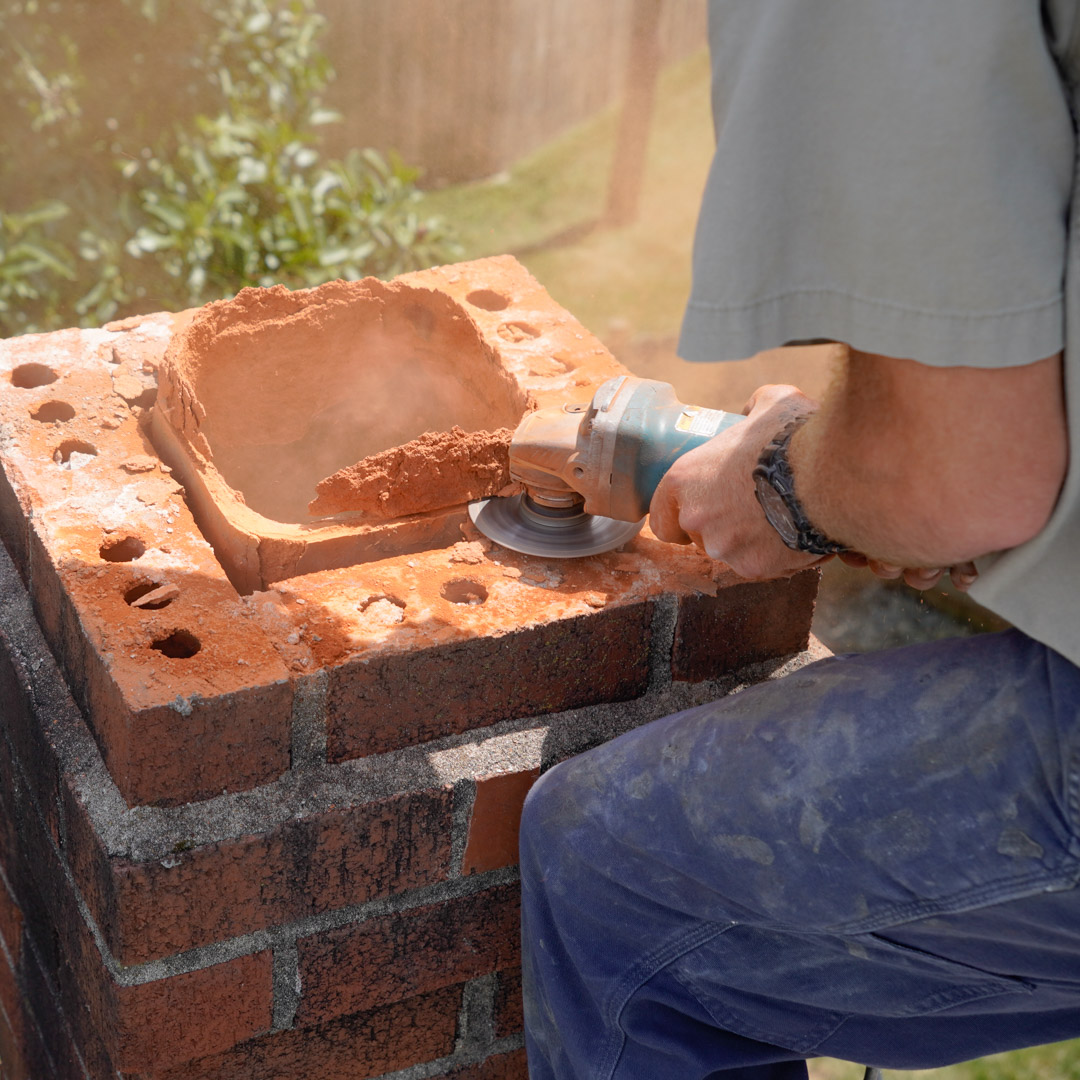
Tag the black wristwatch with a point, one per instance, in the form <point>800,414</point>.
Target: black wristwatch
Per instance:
<point>774,487</point>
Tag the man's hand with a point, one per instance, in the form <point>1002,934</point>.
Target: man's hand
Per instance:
<point>707,496</point>
<point>918,577</point>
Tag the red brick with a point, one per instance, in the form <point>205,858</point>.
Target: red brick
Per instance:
<point>172,1019</point>
<point>206,724</point>
<point>398,699</point>
<point>14,514</point>
<point>11,923</point>
<point>743,624</point>
<point>409,952</point>
<point>495,820</point>
<point>12,1060</point>
<point>355,1047</point>
<point>35,708</point>
<point>187,1016</point>
<point>35,1039</point>
<point>509,1011</point>
<point>511,1066</point>
<point>302,867</point>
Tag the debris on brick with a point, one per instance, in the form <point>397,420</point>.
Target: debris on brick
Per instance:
<point>439,469</point>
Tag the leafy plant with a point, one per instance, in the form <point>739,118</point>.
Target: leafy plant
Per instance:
<point>232,191</point>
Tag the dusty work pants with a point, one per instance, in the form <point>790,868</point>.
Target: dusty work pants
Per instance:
<point>875,859</point>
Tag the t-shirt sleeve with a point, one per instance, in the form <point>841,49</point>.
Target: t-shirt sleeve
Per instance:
<point>894,176</point>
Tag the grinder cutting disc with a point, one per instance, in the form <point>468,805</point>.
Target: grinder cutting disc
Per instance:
<point>522,525</point>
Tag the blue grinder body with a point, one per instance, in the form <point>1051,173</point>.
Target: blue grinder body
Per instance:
<point>652,429</point>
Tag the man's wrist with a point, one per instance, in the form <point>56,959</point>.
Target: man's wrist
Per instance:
<point>774,487</point>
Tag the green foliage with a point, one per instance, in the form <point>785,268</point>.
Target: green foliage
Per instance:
<point>141,201</point>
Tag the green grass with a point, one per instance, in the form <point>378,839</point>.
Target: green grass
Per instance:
<point>637,276</point>
<point>637,279</point>
<point>1058,1061</point>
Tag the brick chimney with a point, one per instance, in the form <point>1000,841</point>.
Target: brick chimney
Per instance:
<point>260,774</point>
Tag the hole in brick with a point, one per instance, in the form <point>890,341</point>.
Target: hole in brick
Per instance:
<point>62,454</point>
<point>463,591</point>
<point>549,365</point>
<point>124,549</point>
<point>150,596</point>
<point>53,410</point>
<point>297,389</point>
<point>380,610</point>
<point>382,598</point>
<point>518,331</point>
<point>28,376</point>
<point>488,299</point>
<point>179,645</point>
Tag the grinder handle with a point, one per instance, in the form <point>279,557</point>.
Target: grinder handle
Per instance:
<point>654,430</point>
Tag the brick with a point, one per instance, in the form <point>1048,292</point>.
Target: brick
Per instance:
<point>11,923</point>
<point>36,709</point>
<point>191,1015</point>
<point>35,1039</point>
<point>409,952</point>
<point>743,624</point>
<point>511,1066</point>
<point>509,1010</point>
<point>356,1047</point>
<point>495,820</point>
<point>171,729</point>
<point>141,1026</point>
<point>14,515</point>
<point>50,1042</point>
<point>12,1060</point>
<point>398,699</point>
<point>302,867</point>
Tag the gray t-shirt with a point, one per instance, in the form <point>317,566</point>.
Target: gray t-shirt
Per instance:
<point>899,177</point>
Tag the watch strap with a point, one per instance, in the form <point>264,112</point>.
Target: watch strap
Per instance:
<point>774,469</point>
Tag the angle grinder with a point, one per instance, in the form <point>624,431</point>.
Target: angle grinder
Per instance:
<point>589,469</point>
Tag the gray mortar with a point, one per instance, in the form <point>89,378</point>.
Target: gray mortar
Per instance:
<point>145,833</point>
<point>309,721</point>
<point>476,1023</point>
<point>464,798</point>
<point>286,982</point>
<point>665,614</point>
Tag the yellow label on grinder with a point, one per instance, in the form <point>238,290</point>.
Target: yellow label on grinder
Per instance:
<point>700,421</point>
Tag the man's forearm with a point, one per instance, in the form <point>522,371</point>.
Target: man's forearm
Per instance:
<point>924,466</point>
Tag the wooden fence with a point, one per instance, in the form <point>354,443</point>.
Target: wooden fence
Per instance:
<point>465,87</point>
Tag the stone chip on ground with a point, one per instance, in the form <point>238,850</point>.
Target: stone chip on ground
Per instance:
<point>439,469</point>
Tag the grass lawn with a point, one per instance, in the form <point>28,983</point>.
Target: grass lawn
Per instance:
<point>638,276</point>
<point>633,281</point>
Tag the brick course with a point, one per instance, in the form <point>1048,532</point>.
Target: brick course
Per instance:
<point>355,1047</point>
<point>381,704</point>
<point>396,956</point>
<point>742,624</point>
<point>303,867</point>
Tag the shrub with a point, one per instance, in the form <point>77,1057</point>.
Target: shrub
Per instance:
<point>148,207</point>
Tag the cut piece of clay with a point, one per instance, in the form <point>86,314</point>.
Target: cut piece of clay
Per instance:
<point>439,469</point>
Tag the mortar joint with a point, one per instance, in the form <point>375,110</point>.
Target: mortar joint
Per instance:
<point>662,641</point>
<point>461,818</point>
<point>286,984</point>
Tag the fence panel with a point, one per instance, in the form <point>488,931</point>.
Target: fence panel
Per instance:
<point>465,87</point>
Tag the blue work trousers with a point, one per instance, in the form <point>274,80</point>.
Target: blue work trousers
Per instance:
<point>875,858</point>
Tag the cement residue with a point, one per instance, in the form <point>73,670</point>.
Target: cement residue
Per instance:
<point>439,469</point>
